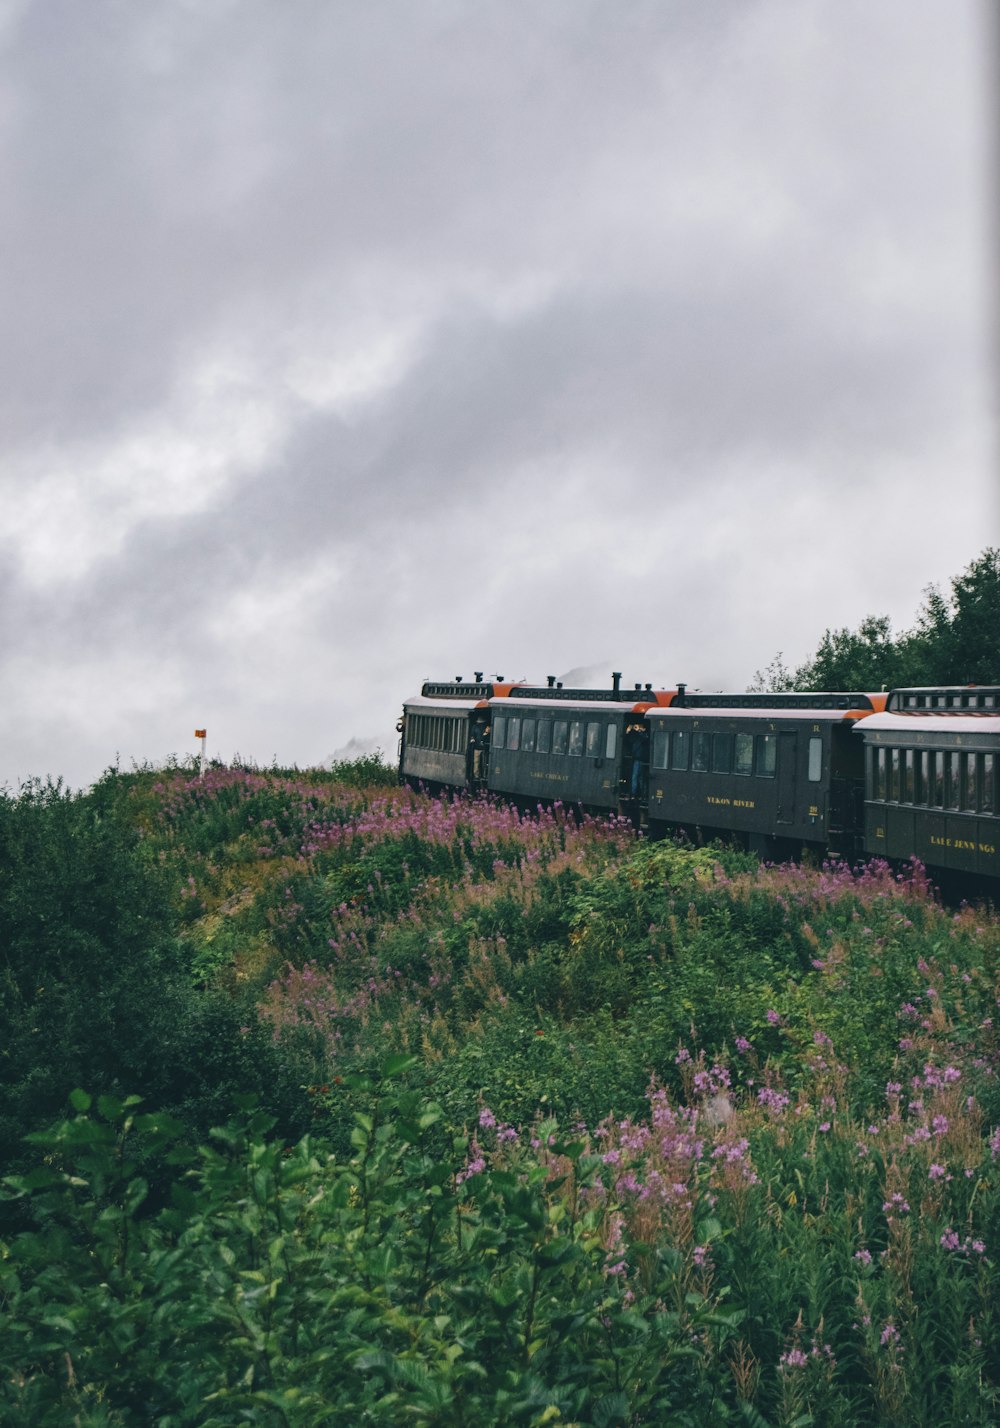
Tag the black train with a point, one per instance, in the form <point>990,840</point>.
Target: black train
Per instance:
<point>908,774</point>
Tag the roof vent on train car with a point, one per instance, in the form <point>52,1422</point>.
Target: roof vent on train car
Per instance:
<point>559,684</point>
<point>499,679</point>
<point>552,680</point>
<point>458,679</point>
<point>681,691</point>
<point>616,681</point>
<point>479,676</point>
<point>649,686</point>
<point>638,688</point>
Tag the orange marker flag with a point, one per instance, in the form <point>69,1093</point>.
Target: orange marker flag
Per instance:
<point>200,733</point>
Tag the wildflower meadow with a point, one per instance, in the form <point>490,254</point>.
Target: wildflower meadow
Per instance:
<point>331,1101</point>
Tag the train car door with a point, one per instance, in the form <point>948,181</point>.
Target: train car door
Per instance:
<point>787,760</point>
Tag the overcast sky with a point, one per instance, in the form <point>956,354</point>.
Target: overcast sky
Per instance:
<point>350,343</point>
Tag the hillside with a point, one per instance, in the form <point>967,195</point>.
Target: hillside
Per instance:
<point>524,1120</point>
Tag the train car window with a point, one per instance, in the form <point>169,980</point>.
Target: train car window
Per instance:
<point>937,780</point>
<point>544,741</point>
<point>722,753</point>
<point>893,789</point>
<point>923,778</point>
<point>969,796</point>
<point>701,752</point>
<point>528,736</point>
<point>986,784</point>
<point>499,731</point>
<point>593,739</point>
<point>954,783</point>
<point>661,748</point>
<point>513,731</point>
<point>743,754</point>
<point>611,747</point>
<point>767,755</point>
<point>560,736</point>
<point>576,736</point>
<point>680,750</point>
<point>908,794</point>
<point>815,768</point>
<point>881,780</point>
<point>989,701</point>
<point>911,701</point>
<point>941,701</point>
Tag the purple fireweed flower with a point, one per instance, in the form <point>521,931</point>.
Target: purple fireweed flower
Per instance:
<point>793,1359</point>
<point>863,1256</point>
<point>936,1172</point>
<point>895,1205</point>
<point>742,1045</point>
<point>773,1017</point>
<point>889,1335</point>
<point>950,1240</point>
<point>487,1119</point>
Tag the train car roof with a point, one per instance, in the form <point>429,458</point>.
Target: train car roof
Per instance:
<point>585,706</point>
<point>424,701</point>
<point>789,699</point>
<point>933,721</point>
<point>798,715</point>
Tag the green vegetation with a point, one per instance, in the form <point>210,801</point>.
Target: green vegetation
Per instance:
<point>329,1102</point>
<point>956,640</point>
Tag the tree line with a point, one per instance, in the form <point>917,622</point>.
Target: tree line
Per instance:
<point>955,640</point>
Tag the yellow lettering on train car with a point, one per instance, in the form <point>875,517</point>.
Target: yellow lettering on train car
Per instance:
<point>725,802</point>
<point>744,803</point>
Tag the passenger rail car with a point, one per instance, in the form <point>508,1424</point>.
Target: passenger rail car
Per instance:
<point>777,780</point>
<point>931,784</point>
<point>576,750</point>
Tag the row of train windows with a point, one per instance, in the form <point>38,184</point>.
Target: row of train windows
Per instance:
<point>592,737</point>
<point>937,778</point>
<point>949,701</point>
<point>444,733</point>
<point>743,754</point>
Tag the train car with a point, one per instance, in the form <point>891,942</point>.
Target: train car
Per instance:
<point>779,774</point>
<point>444,734</point>
<point>577,746</point>
<point>931,780</point>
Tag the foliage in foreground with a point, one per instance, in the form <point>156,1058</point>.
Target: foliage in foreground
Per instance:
<point>663,1136</point>
<point>686,1268</point>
